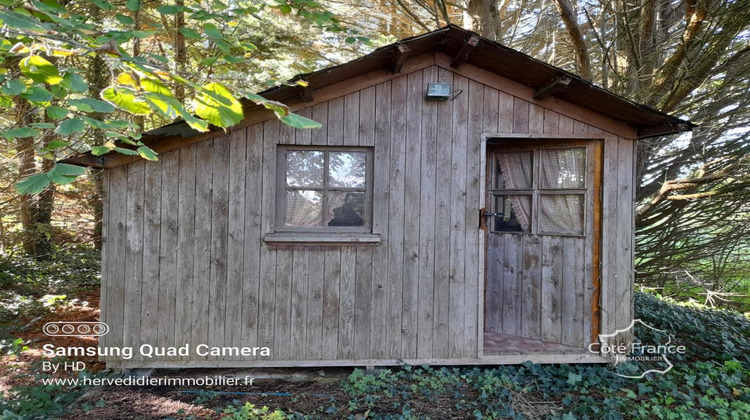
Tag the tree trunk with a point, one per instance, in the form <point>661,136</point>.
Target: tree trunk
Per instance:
<point>568,15</point>
<point>482,16</point>
<point>35,210</point>
<point>98,77</point>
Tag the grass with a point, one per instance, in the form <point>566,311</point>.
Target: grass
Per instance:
<point>711,380</point>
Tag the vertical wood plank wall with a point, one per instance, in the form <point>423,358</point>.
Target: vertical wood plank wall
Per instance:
<point>184,260</point>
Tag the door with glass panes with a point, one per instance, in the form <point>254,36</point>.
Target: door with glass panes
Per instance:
<point>542,241</point>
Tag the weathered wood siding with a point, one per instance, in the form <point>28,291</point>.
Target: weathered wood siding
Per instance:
<point>184,260</point>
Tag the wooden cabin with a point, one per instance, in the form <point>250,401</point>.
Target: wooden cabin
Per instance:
<point>462,204</point>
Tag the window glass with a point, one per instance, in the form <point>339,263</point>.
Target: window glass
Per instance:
<point>540,191</point>
<point>346,208</point>
<point>513,213</point>
<point>304,168</point>
<point>324,190</point>
<point>563,168</point>
<point>561,213</point>
<point>347,169</point>
<point>513,171</point>
<point>304,208</point>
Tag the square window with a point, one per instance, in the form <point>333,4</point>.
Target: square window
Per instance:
<point>346,208</point>
<point>304,168</point>
<point>541,190</point>
<point>324,189</point>
<point>563,168</point>
<point>513,170</point>
<point>561,213</point>
<point>512,213</point>
<point>304,208</point>
<point>347,169</point>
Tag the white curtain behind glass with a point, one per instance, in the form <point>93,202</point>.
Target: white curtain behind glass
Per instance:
<point>562,168</point>
<point>516,173</point>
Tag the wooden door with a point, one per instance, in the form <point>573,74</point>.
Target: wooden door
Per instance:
<point>542,239</point>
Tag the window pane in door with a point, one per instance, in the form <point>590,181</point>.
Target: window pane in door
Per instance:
<point>304,168</point>
<point>561,213</point>
<point>513,213</point>
<point>347,169</point>
<point>346,208</point>
<point>563,168</point>
<point>304,208</point>
<point>513,171</point>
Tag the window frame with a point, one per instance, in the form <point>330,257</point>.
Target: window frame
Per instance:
<point>282,188</point>
<point>536,191</point>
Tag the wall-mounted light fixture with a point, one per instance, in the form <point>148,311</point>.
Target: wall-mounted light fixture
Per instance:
<point>441,91</point>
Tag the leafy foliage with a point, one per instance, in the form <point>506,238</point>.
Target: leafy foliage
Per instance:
<point>250,412</point>
<point>712,334</point>
<point>54,99</point>
<point>42,398</point>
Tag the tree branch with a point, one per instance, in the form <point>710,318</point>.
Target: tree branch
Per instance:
<point>576,36</point>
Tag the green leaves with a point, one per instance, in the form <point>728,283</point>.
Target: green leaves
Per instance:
<point>126,100</point>
<point>217,105</point>
<point>74,83</point>
<point>151,84</point>
<point>212,31</point>
<point>57,144</point>
<point>49,39</point>
<point>13,87</point>
<point>574,378</point>
<point>99,150</point>
<point>71,126</point>
<point>21,132</point>
<point>147,153</point>
<point>133,5</point>
<point>92,105</point>
<point>105,5</point>
<point>190,33</point>
<point>33,184</point>
<point>40,70</point>
<point>208,61</point>
<point>125,20</point>
<point>298,121</point>
<point>61,173</point>
<point>37,94</point>
<point>125,151</point>
<point>282,111</point>
<point>18,21</point>
<point>56,112</point>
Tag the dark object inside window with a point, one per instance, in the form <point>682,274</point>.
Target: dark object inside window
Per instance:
<point>351,212</point>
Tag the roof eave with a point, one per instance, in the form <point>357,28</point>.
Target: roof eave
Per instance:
<point>676,127</point>
<point>446,40</point>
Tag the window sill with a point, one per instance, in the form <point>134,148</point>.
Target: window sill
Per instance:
<point>305,238</point>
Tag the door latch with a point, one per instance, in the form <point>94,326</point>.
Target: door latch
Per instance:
<point>483,215</point>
